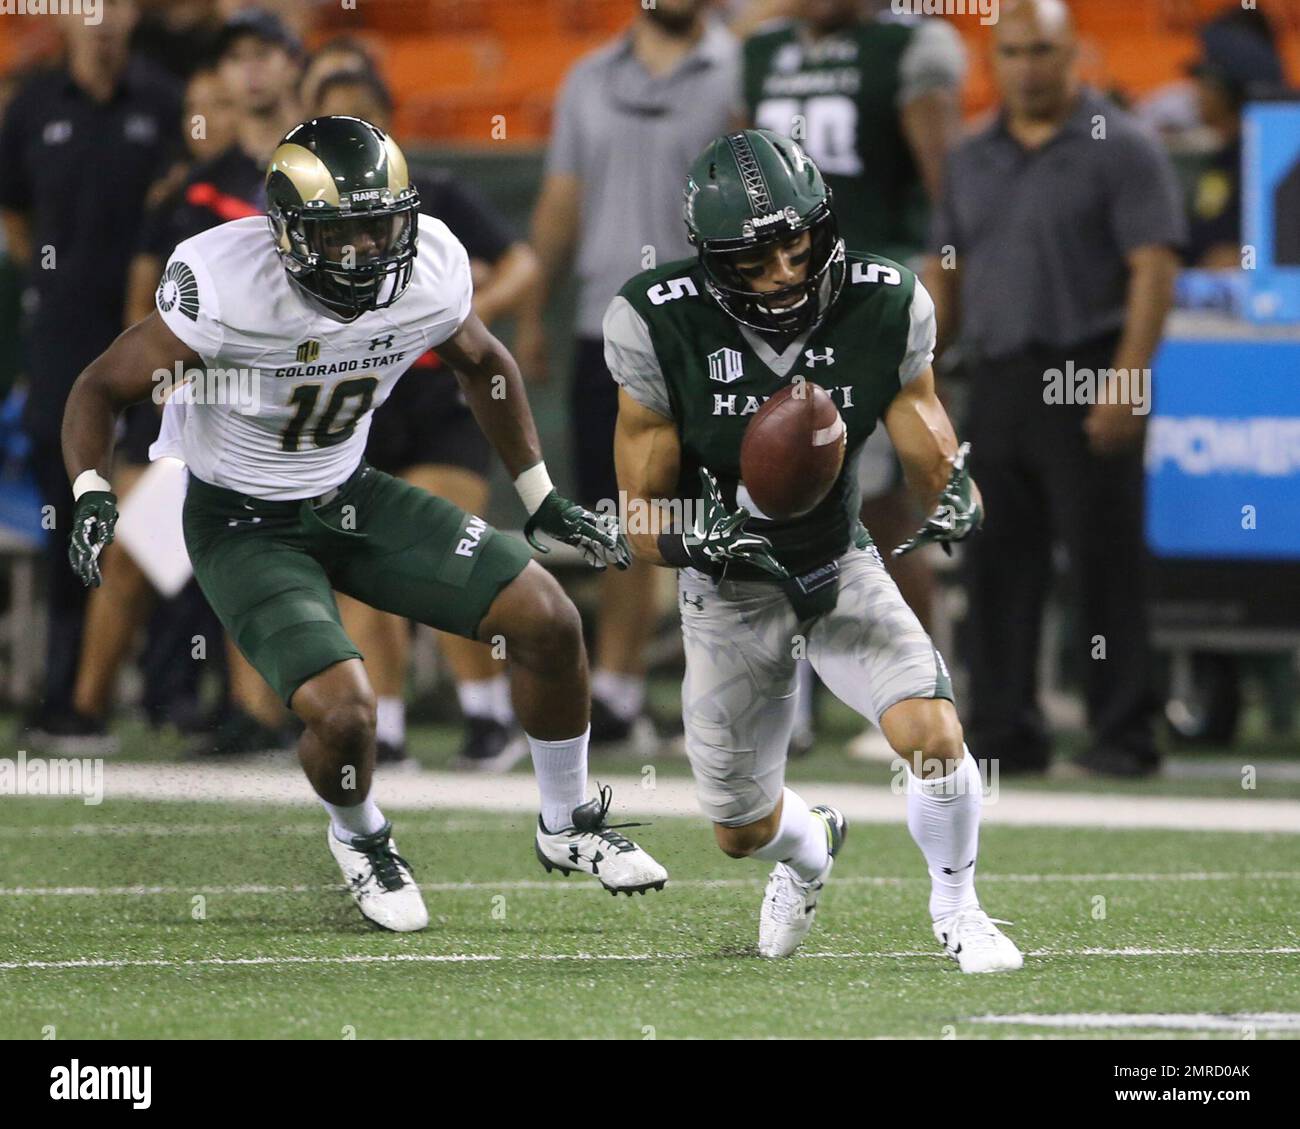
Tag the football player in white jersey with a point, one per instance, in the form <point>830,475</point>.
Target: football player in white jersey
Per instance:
<point>288,339</point>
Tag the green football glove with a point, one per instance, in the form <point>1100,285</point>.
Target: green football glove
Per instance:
<point>718,535</point>
<point>596,535</point>
<point>956,516</point>
<point>93,519</point>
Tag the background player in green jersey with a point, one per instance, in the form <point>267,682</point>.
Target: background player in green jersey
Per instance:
<point>873,101</point>
<point>696,347</point>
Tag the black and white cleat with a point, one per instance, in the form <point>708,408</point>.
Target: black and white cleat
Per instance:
<point>592,846</point>
<point>380,881</point>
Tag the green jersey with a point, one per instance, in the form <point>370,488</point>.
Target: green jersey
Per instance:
<point>678,353</point>
<point>840,97</point>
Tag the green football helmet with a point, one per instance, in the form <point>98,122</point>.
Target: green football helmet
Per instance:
<point>344,213</point>
<point>752,189</point>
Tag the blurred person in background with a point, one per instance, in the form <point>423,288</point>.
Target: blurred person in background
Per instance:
<point>235,113</point>
<point>1064,217</point>
<point>629,117</point>
<point>1238,58</point>
<point>294,14</point>
<point>242,110</point>
<point>425,433</point>
<point>81,145</point>
<point>341,55</point>
<point>875,102</point>
<point>745,17</point>
<point>177,35</point>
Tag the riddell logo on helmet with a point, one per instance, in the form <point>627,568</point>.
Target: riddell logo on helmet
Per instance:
<point>788,214</point>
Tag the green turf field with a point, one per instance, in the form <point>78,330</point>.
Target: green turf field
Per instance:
<point>238,931</point>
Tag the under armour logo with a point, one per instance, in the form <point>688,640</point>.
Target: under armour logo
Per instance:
<point>813,358</point>
<point>386,342</point>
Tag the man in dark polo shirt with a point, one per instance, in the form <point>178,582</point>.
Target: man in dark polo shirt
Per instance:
<point>1054,246</point>
<point>80,146</point>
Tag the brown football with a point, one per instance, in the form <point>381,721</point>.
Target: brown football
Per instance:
<point>792,451</point>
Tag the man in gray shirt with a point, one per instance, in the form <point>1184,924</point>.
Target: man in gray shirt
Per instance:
<point>629,120</point>
<point>1054,261</point>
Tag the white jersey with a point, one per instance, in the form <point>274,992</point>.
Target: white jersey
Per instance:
<point>285,404</point>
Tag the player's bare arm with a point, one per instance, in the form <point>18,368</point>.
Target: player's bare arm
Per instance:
<point>924,437</point>
<point>120,376</point>
<point>494,390</point>
<point>647,457</point>
<point>934,464</point>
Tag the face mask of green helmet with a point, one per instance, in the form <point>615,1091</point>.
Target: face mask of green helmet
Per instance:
<point>746,193</point>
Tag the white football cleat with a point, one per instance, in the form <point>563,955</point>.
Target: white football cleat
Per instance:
<point>592,846</point>
<point>789,903</point>
<point>380,881</point>
<point>976,943</point>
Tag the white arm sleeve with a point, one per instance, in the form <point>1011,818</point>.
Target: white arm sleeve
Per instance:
<point>188,302</point>
<point>920,336</point>
<point>630,357</point>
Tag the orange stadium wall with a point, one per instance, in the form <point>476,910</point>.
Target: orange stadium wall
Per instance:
<point>474,72</point>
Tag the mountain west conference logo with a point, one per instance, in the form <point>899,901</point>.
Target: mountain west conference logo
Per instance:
<point>179,285</point>
<point>726,365</point>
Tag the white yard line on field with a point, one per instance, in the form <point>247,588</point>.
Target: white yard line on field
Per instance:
<point>193,830</point>
<point>1194,1021</point>
<point>473,958</point>
<point>675,796</point>
<point>555,885</point>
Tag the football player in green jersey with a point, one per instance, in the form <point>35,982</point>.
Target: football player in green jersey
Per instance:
<point>874,99</point>
<point>697,346</point>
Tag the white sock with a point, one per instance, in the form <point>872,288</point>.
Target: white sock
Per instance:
<point>561,768</point>
<point>805,682</point>
<point>390,720</point>
<point>624,694</point>
<point>943,816</point>
<point>364,818</point>
<point>502,707</point>
<point>800,840</point>
<point>477,697</point>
